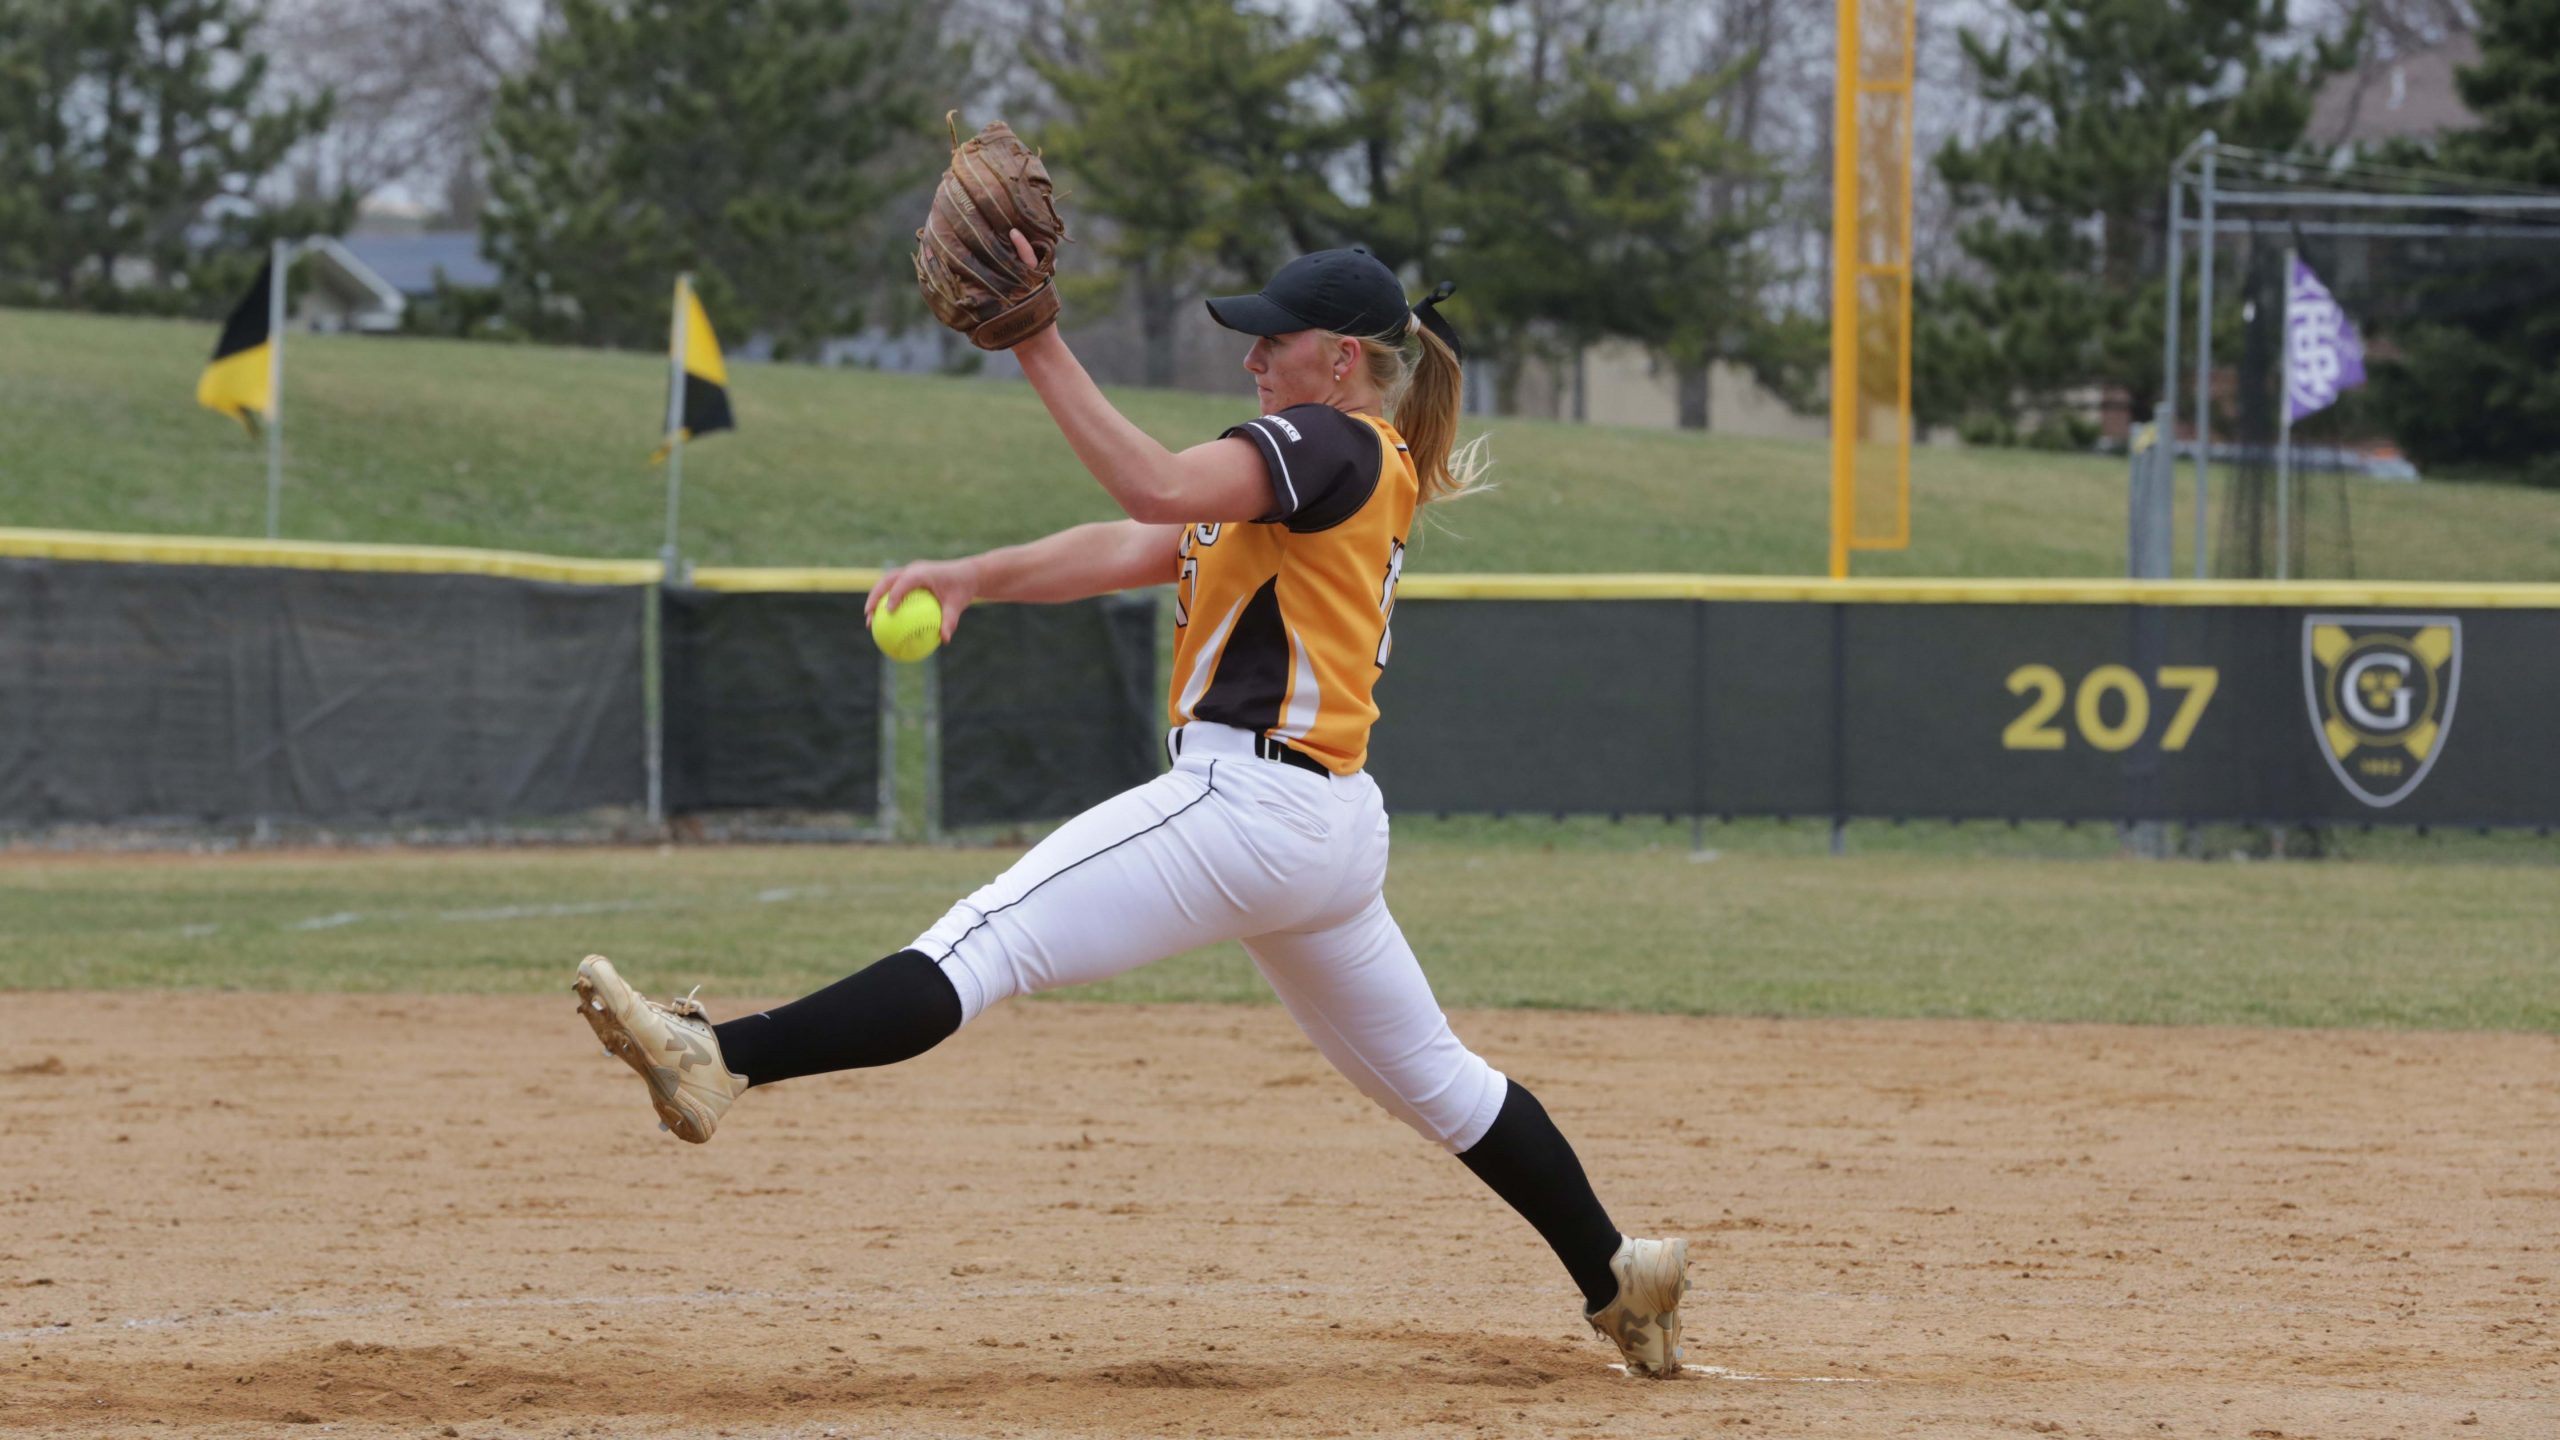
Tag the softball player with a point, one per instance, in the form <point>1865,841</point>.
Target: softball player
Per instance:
<point>1284,539</point>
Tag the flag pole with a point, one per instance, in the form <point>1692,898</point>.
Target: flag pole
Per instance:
<point>653,661</point>
<point>2284,422</point>
<point>279,256</point>
<point>675,426</point>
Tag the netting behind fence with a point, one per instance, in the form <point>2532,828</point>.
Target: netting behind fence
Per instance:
<point>773,701</point>
<point>1047,709</point>
<point>216,693</point>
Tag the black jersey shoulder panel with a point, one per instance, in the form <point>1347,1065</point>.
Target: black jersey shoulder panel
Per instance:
<point>1324,465</point>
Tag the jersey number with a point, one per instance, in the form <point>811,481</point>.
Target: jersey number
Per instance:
<point>1187,588</point>
<point>1387,603</point>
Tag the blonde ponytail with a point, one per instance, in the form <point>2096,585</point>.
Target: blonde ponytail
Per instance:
<point>1423,389</point>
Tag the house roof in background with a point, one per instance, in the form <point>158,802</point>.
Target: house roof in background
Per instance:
<point>2411,96</point>
<point>410,262</point>
<point>371,302</point>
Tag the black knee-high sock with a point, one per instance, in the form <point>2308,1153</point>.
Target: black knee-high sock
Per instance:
<point>894,1010</point>
<point>1528,1162</point>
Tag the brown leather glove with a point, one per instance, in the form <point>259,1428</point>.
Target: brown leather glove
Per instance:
<point>966,264</point>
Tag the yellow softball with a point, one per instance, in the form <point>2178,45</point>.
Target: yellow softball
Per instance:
<point>911,631</point>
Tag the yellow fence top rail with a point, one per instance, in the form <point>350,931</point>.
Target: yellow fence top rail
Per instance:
<point>321,555</point>
<point>750,580</point>
<point>511,564</point>
<point>2363,594</point>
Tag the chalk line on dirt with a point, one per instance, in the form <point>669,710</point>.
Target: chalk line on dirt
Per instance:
<point>1718,1372</point>
<point>557,910</point>
<point>327,922</point>
<point>569,909</point>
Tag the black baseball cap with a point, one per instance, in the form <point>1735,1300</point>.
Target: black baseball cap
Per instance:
<point>1348,291</point>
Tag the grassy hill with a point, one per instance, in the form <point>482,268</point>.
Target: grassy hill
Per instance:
<point>545,449</point>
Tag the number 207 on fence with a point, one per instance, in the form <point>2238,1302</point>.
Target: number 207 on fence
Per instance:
<point>2111,706</point>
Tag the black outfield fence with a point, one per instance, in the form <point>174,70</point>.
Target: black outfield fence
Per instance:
<point>1046,710</point>
<point>2236,702</point>
<point>773,701</point>
<point>168,679</point>
<point>219,692</point>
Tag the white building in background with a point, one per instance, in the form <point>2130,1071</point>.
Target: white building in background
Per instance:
<point>2415,96</point>
<point>342,294</point>
<point>364,283</point>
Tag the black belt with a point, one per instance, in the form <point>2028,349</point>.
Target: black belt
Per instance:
<point>1270,749</point>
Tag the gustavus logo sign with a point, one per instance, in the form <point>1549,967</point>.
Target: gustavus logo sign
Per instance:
<point>2381,690</point>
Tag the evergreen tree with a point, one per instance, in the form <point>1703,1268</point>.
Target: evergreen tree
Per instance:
<point>2481,386</point>
<point>1582,189</point>
<point>758,144</point>
<point>1182,129</point>
<point>1595,195</point>
<point>1534,150</point>
<point>1545,156</point>
<point>1395,71</point>
<point>134,139</point>
<point>21,73</point>
<point>2090,102</point>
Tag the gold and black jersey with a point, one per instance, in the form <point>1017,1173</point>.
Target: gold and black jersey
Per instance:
<point>1282,623</point>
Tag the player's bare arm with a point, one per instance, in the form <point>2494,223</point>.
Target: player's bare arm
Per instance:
<point>1073,564</point>
<point>1221,480</point>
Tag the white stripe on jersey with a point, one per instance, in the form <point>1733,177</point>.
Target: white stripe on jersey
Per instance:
<point>1306,698</point>
<point>1280,460</point>
<point>1207,665</point>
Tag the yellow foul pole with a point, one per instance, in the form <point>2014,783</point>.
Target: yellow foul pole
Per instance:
<point>1871,429</point>
<point>1844,289</point>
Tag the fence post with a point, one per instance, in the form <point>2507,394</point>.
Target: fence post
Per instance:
<point>2204,368</point>
<point>2148,528</point>
<point>2148,506</point>
<point>887,784</point>
<point>1698,757</point>
<point>933,748</point>
<point>653,700</point>
<point>1839,729</point>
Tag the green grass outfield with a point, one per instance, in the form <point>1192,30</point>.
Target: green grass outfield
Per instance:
<point>528,448</point>
<point>2377,944</point>
<point>540,449</point>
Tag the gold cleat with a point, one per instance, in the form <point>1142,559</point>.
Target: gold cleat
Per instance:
<point>671,1045</point>
<point>1644,1321</point>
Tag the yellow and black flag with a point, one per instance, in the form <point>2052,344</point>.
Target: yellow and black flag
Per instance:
<point>698,382</point>
<point>241,380</point>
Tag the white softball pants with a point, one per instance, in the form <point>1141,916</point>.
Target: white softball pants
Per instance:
<point>1229,846</point>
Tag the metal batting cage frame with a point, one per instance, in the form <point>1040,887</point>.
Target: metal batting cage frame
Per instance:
<point>2239,192</point>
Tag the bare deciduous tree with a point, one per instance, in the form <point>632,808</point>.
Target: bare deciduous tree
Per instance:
<point>2393,31</point>
<point>415,81</point>
<point>1775,106</point>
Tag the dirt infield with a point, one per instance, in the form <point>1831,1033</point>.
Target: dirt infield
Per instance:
<point>253,1215</point>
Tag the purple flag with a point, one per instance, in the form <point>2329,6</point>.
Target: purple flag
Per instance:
<point>2327,354</point>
